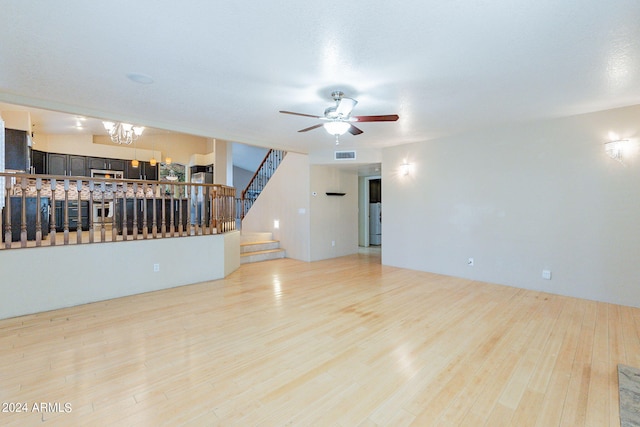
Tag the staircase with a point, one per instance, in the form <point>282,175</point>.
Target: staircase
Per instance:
<point>260,178</point>
<point>256,247</point>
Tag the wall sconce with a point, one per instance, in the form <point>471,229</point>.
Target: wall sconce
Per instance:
<point>615,149</point>
<point>405,168</point>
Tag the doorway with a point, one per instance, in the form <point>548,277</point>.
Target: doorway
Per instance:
<point>370,199</point>
<point>375,212</point>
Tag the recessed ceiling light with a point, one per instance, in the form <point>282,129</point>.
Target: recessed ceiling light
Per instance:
<point>140,78</point>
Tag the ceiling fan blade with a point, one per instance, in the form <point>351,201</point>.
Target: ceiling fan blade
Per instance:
<point>345,106</point>
<point>384,118</point>
<point>310,128</point>
<point>300,114</point>
<point>354,130</point>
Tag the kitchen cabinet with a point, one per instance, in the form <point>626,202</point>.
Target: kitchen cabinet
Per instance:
<point>32,211</point>
<point>57,164</point>
<point>101,163</point>
<point>143,171</point>
<point>77,166</point>
<point>66,164</point>
<point>73,215</point>
<point>117,165</point>
<point>16,150</point>
<point>96,163</point>
<point>38,161</point>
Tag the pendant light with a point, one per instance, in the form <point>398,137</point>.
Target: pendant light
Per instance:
<point>135,163</point>
<point>153,160</point>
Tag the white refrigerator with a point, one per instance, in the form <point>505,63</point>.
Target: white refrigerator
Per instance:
<point>375,223</point>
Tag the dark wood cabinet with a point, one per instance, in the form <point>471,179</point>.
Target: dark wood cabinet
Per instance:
<point>143,171</point>
<point>150,172</point>
<point>77,165</point>
<point>66,164</point>
<point>101,163</point>
<point>131,172</point>
<point>16,150</point>
<point>117,164</point>
<point>73,215</point>
<point>74,165</point>
<point>32,211</point>
<point>96,163</point>
<point>39,161</point>
<point>57,164</point>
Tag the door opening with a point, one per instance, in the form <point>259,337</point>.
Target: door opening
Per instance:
<point>375,212</point>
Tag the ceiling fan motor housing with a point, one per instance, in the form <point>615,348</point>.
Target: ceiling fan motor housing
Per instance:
<point>337,95</point>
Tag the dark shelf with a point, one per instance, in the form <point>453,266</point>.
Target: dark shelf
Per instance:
<point>335,194</point>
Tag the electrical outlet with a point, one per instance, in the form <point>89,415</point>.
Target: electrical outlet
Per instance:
<point>470,262</point>
<point>546,274</point>
<point>333,243</point>
<point>156,268</point>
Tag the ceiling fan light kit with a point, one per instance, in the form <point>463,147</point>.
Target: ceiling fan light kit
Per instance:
<point>337,127</point>
<point>339,118</point>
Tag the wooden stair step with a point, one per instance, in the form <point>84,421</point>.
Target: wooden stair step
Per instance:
<point>259,246</point>
<point>263,255</point>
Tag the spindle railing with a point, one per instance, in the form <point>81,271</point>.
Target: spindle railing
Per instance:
<point>267,168</point>
<point>107,210</point>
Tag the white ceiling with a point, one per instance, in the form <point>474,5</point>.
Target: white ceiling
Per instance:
<point>224,69</point>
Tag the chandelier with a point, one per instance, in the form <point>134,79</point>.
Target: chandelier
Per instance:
<point>123,133</point>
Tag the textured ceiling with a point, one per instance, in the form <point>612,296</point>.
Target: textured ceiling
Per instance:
<point>224,69</point>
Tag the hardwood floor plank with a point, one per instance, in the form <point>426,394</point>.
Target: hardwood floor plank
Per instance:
<point>616,357</point>
<point>344,342</point>
<point>556,392</point>
<point>575,406</point>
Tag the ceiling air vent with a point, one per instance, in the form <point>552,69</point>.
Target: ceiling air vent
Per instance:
<point>344,155</point>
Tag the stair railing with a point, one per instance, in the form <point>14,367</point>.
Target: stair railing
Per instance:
<point>265,171</point>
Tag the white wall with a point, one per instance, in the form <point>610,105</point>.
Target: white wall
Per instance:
<point>241,178</point>
<point>285,198</point>
<point>519,200</point>
<point>334,219</point>
<point>231,252</point>
<point>41,279</point>
<point>223,170</point>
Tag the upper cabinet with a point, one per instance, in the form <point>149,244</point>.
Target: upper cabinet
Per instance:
<point>73,165</point>
<point>38,161</point>
<point>143,171</point>
<point>77,165</point>
<point>105,164</point>
<point>57,164</point>
<point>16,150</point>
<point>66,164</point>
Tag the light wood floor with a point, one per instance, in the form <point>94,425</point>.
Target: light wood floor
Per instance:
<point>344,342</point>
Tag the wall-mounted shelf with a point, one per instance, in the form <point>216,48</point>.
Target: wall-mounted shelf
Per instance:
<point>335,194</point>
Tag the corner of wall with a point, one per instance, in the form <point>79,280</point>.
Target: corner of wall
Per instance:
<point>285,198</point>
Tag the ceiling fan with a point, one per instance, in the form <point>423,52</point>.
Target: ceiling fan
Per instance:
<point>338,118</point>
